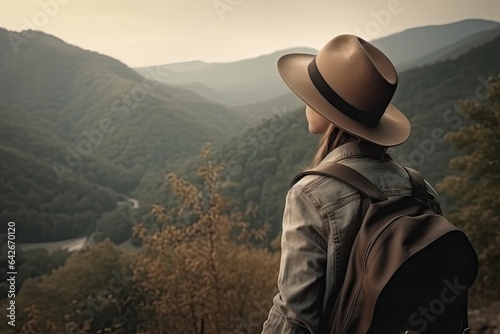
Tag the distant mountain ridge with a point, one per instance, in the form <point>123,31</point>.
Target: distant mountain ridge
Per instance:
<point>256,80</point>
<point>202,72</point>
<point>409,46</point>
<point>456,49</point>
<point>233,83</point>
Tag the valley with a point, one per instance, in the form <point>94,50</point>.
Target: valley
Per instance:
<point>81,130</point>
<point>151,199</point>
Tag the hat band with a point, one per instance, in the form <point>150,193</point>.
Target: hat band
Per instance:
<point>336,100</point>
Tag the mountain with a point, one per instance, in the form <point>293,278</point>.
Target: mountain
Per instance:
<point>79,95</point>
<point>256,80</point>
<point>257,112</point>
<point>262,161</point>
<point>78,125</point>
<point>210,73</point>
<point>44,210</point>
<point>188,66</point>
<point>234,96</point>
<point>456,49</point>
<point>80,130</point>
<point>233,83</point>
<point>406,48</point>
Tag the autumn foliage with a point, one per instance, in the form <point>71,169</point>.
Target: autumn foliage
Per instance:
<point>197,271</point>
<point>204,276</point>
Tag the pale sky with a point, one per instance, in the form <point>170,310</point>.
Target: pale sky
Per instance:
<point>153,32</point>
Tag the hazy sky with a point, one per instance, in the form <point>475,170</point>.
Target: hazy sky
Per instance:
<point>151,32</point>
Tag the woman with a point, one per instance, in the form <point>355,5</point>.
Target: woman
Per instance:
<point>347,88</point>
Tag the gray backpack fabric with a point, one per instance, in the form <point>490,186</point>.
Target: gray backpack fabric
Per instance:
<point>409,270</point>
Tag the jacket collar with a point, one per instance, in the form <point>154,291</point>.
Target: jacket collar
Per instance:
<point>353,148</point>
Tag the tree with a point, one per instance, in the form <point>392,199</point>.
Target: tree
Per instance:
<point>38,262</point>
<point>205,276</point>
<point>196,272</point>
<point>476,186</point>
<point>91,293</point>
<point>116,224</point>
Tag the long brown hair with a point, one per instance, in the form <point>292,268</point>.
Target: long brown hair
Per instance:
<point>333,137</point>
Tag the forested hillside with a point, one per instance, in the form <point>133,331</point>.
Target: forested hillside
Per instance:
<point>456,49</point>
<point>90,120</point>
<point>264,160</point>
<point>429,96</point>
<point>72,118</point>
<point>235,83</point>
<point>44,209</point>
<point>193,277</point>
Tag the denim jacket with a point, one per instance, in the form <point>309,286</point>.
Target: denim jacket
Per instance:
<point>318,231</point>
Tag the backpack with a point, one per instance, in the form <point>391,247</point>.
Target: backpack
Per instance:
<point>409,269</point>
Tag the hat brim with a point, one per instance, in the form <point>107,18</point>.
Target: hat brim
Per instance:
<point>392,129</point>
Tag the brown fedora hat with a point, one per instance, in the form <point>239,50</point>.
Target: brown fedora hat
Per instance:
<point>350,83</point>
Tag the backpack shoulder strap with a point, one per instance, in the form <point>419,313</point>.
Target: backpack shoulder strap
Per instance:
<point>418,187</point>
<point>346,175</point>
